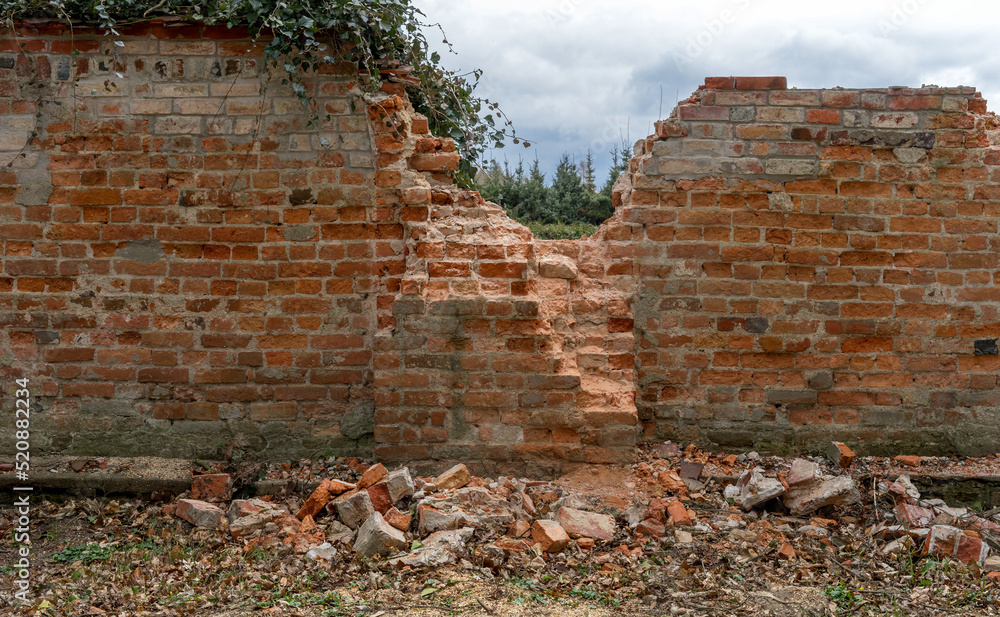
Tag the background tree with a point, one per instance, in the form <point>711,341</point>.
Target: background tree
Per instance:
<point>569,207</point>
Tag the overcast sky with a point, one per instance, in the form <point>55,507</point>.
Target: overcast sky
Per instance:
<point>575,75</point>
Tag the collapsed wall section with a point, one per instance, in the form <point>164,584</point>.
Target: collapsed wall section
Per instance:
<point>817,264</point>
<point>188,264</point>
<point>494,348</point>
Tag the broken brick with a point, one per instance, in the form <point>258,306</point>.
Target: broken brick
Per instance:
<point>549,535</point>
<point>579,523</point>
<point>319,498</point>
<point>399,520</point>
<point>971,550</point>
<point>379,494</point>
<point>909,461</point>
<point>840,455</point>
<point>651,528</point>
<point>377,537</point>
<point>354,507</point>
<point>942,541</point>
<point>456,477</point>
<point>372,475</point>
<point>691,470</point>
<point>915,516</point>
<point>200,513</point>
<point>213,488</point>
<point>786,552</point>
<point>679,515</point>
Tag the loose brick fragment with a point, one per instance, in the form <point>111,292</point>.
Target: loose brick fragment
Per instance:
<point>377,537</point>
<point>679,515</point>
<point>200,513</point>
<point>213,487</point>
<point>650,528</point>
<point>840,455</point>
<point>372,475</point>
<point>549,535</point>
<point>579,523</point>
<point>399,520</point>
<point>379,495</point>
<point>456,477</point>
<point>353,507</point>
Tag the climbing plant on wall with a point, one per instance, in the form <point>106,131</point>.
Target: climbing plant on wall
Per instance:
<point>301,35</point>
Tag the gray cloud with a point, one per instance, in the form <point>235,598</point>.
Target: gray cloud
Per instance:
<point>575,75</point>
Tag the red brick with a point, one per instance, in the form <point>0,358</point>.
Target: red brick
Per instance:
<point>760,83</point>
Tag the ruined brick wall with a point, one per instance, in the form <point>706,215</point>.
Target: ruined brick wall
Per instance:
<point>494,348</point>
<point>185,263</point>
<point>816,264</point>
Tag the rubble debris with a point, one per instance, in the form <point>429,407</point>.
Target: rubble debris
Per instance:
<point>399,520</point>
<point>991,564</point>
<point>666,450</point>
<point>377,537</point>
<point>692,471</point>
<point>538,518</point>
<point>213,487</point>
<point>327,490</point>
<point>786,552</point>
<point>908,460</point>
<point>372,475</point>
<point>200,513</point>
<point>77,465</point>
<point>324,552</point>
<point>754,489</point>
<point>580,524</point>
<point>811,496</point>
<point>840,455</point>
<point>354,507</point>
<point>942,541</point>
<point>913,516</point>
<point>549,535</point>
<point>651,528</point>
<point>379,495</point>
<point>903,490</point>
<point>247,516</point>
<point>456,477</point>
<point>430,519</point>
<point>400,484</point>
<point>679,515</point>
<point>801,472</point>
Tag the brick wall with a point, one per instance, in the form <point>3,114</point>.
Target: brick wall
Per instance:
<point>494,348</point>
<point>187,264</point>
<point>816,264</point>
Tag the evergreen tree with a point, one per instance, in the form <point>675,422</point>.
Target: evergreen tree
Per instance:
<point>569,195</point>
<point>572,205</point>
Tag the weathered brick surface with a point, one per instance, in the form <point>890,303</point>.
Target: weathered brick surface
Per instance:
<point>480,355</point>
<point>818,264</point>
<point>184,263</point>
<point>187,264</point>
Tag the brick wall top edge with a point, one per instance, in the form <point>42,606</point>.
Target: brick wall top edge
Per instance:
<point>780,83</point>
<point>157,28</point>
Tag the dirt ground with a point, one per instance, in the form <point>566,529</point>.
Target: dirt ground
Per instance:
<point>130,557</point>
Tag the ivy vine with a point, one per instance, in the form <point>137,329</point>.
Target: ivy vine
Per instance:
<point>377,35</point>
